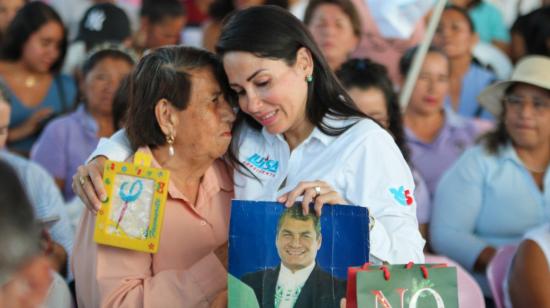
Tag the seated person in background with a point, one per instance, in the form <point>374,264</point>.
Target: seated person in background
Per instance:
<point>298,281</point>
<point>488,22</point>
<point>30,59</point>
<point>45,198</point>
<point>435,135</point>
<point>369,86</point>
<point>529,277</point>
<point>456,36</point>
<point>336,28</point>
<point>161,23</point>
<point>498,189</point>
<point>25,276</point>
<point>67,141</point>
<point>101,23</point>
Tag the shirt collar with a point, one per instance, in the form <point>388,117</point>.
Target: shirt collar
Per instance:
<point>451,121</point>
<point>289,279</point>
<point>214,179</point>
<point>88,122</point>
<point>316,134</point>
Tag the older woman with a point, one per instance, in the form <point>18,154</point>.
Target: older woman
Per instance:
<point>499,189</point>
<point>297,117</point>
<point>336,28</point>
<point>174,90</point>
<point>30,59</point>
<point>67,141</point>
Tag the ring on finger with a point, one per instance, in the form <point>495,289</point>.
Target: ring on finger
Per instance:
<point>317,190</point>
<point>82,180</point>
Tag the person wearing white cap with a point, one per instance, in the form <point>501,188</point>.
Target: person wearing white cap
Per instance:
<point>499,189</point>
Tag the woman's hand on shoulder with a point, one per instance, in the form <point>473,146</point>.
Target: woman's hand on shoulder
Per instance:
<point>88,183</point>
<point>318,192</point>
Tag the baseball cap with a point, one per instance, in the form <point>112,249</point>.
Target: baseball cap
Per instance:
<point>103,22</point>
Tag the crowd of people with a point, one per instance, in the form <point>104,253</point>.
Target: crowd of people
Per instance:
<point>310,85</point>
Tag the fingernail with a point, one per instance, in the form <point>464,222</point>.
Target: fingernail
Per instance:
<point>103,198</point>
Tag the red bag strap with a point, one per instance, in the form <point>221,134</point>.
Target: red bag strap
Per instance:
<point>424,270</point>
<point>386,272</point>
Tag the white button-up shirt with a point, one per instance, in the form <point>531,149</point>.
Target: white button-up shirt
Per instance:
<point>363,165</point>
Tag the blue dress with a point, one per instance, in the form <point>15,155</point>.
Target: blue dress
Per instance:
<point>60,97</point>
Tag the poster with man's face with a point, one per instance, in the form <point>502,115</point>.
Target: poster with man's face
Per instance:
<point>281,258</point>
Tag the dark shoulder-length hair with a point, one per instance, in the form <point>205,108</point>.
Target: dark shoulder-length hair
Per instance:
<point>495,139</point>
<point>29,19</point>
<point>164,74</point>
<point>272,32</point>
<point>365,74</point>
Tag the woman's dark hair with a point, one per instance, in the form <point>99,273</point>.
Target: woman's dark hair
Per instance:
<point>120,104</point>
<point>499,137</point>
<point>464,13</point>
<point>29,19</point>
<point>345,5</point>
<point>219,9</point>
<point>156,11</point>
<point>365,74</point>
<point>406,60</point>
<point>534,28</point>
<point>272,32</point>
<point>164,74</point>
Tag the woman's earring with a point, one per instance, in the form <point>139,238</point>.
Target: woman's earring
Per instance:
<point>309,78</point>
<point>170,141</point>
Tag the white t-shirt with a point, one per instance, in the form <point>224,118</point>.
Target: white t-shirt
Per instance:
<point>362,164</point>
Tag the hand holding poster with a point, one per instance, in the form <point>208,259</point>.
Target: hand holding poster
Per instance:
<point>279,257</point>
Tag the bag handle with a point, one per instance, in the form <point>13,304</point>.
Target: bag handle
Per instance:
<point>424,269</point>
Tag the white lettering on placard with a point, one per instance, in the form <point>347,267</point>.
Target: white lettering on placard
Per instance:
<point>437,297</point>
<point>380,298</point>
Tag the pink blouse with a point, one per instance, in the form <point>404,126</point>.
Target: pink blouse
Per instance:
<point>184,272</point>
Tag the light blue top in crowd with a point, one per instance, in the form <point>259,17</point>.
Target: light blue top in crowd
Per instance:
<point>476,80</point>
<point>53,99</point>
<point>486,200</point>
<point>45,199</point>
<point>488,23</point>
<point>65,144</point>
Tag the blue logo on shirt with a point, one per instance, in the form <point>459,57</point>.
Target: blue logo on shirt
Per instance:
<point>262,164</point>
<point>402,195</point>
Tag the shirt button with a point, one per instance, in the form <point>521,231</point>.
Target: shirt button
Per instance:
<point>203,223</point>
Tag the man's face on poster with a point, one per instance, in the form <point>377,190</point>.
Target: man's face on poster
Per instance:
<point>297,243</point>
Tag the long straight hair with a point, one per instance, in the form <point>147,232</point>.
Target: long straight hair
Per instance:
<point>272,32</point>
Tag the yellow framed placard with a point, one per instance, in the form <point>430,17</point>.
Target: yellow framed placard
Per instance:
<point>132,215</point>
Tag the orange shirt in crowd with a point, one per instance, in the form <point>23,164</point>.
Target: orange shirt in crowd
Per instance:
<point>183,273</point>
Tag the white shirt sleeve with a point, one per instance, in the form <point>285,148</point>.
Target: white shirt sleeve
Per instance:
<point>116,148</point>
<point>378,177</point>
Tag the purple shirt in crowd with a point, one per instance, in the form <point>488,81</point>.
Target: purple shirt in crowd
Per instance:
<point>431,160</point>
<point>65,144</point>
